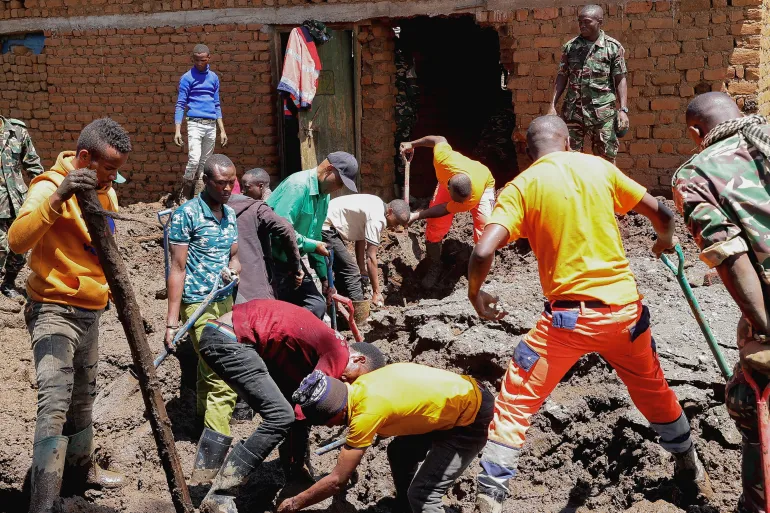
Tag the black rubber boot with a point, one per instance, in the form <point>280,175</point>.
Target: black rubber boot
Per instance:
<point>8,286</point>
<point>212,449</point>
<point>234,472</point>
<point>691,476</point>
<point>82,471</point>
<point>46,474</point>
<point>753,497</point>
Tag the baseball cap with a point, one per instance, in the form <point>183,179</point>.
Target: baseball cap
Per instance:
<point>346,165</point>
<point>119,178</point>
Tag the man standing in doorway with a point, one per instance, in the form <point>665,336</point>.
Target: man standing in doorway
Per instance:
<point>303,199</point>
<point>593,70</point>
<point>203,242</point>
<point>199,95</point>
<point>17,154</point>
<point>67,295</point>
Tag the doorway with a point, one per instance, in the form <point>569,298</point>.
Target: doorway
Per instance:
<point>309,135</point>
<point>460,83</point>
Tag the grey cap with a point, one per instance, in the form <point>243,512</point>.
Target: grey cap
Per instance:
<point>346,165</point>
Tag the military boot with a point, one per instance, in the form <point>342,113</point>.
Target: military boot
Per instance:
<point>82,470</point>
<point>753,497</point>
<point>238,465</point>
<point>46,474</point>
<point>8,286</point>
<point>212,449</point>
<point>433,250</point>
<point>691,476</point>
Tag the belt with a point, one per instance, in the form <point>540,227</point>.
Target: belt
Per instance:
<point>577,304</point>
<point>205,121</point>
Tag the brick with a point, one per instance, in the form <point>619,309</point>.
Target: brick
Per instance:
<point>744,56</point>
<point>668,162</point>
<point>714,74</point>
<point>742,87</point>
<point>665,104</point>
<point>719,44</point>
<point>689,62</point>
<point>642,148</point>
<point>692,75</point>
<point>663,132</point>
<point>666,78</point>
<point>526,56</point>
<point>660,23</point>
<point>638,7</point>
<point>745,28</point>
<point>548,42</point>
<point>549,13</point>
<point>695,5</point>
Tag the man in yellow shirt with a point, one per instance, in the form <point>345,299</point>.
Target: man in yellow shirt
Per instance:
<point>437,417</point>
<point>68,293</point>
<point>463,185</point>
<point>565,204</point>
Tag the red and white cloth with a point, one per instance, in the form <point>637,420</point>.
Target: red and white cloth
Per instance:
<point>301,68</point>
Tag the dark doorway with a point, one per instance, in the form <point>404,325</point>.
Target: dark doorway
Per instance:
<point>461,95</point>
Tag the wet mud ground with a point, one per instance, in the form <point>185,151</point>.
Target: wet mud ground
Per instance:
<point>588,449</point>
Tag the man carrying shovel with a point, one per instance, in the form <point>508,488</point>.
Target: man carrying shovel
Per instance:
<point>463,185</point>
<point>360,219</point>
<point>565,204</point>
<point>722,193</point>
<point>67,295</point>
<point>203,237</point>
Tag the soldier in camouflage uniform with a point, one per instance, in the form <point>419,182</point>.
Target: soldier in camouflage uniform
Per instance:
<point>407,103</point>
<point>593,70</point>
<point>722,192</point>
<point>18,154</point>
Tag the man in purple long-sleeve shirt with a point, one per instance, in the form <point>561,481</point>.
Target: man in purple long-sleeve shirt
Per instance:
<point>199,95</point>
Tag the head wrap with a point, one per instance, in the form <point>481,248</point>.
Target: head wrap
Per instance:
<point>318,31</point>
<point>749,127</point>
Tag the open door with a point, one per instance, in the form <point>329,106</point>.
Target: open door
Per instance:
<point>330,124</point>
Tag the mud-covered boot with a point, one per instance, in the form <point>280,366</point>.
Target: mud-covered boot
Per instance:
<point>488,504</point>
<point>212,449</point>
<point>242,413</point>
<point>46,474</point>
<point>433,250</point>
<point>690,475</point>
<point>82,470</point>
<point>234,472</point>
<point>187,191</point>
<point>8,286</point>
<point>753,497</point>
<point>198,187</point>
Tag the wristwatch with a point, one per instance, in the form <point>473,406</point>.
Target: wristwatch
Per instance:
<point>624,109</point>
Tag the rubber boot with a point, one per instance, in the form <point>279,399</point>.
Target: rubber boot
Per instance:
<point>82,470</point>
<point>48,457</point>
<point>197,187</point>
<point>8,286</point>
<point>361,311</point>
<point>212,449</point>
<point>691,476</point>
<point>187,191</point>
<point>234,472</point>
<point>753,497</point>
<point>242,413</point>
<point>433,250</point>
<point>488,504</point>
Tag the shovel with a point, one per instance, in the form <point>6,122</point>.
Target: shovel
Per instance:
<point>762,396</point>
<point>412,256</point>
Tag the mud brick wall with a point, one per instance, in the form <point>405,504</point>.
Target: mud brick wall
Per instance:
<point>132,76</point>
<point>378,95</point>
<point>24,87</point>
<point>764,68</point>
<point>672,53</point>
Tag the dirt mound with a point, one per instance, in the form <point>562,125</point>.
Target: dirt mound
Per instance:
<point>588,449</point>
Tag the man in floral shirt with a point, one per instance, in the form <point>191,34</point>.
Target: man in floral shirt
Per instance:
<point>203,241</point>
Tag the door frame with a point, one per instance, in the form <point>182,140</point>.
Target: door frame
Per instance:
<point>276,68</point>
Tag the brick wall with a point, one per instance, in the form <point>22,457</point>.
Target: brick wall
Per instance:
<point>378,92</point>
<point>699,45</point>
<point>764,69</point>
<point>132,76</point>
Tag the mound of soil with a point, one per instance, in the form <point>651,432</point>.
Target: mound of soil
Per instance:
<point>588,449</point>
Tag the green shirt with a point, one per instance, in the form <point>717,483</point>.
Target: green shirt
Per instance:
<point>298,200</point>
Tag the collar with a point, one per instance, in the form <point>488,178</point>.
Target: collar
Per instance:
<point>600,41</point>
<point>313,186</point>
<point>195,70</point>
<point>207,212</point>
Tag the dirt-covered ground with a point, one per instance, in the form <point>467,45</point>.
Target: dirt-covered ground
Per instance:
<point>587,450</point>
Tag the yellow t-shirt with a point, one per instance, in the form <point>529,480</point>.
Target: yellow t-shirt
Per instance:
<point>565,205</point>
<point>409,399</point>
<point>449,163</point>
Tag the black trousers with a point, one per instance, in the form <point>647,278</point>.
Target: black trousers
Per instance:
<point>244,370</point>
<point>347,275</point>
<point>306,296</point>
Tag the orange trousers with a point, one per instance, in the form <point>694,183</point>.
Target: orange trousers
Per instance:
<point>438,227</point>
<point>620,334</point>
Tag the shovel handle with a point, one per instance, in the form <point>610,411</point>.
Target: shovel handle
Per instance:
<point>678,271</point>
<point>330,279</point>
<point>763,419</point>
<point>407,165</point>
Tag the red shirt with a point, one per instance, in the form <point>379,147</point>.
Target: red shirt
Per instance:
<point>292,341</point>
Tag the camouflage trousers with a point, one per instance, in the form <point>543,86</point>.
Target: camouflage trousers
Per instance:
<point>604,140</point>
<point>10,261</point>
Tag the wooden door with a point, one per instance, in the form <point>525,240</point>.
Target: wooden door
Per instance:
<point>329,125</point>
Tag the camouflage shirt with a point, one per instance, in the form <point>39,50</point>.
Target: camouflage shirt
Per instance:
<point>591,69</point>
<point>18,154</point>
<point>722,192</point>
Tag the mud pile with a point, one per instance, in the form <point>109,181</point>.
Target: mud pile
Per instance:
<point>588,449</point>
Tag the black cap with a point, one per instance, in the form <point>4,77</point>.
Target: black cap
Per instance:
<point>346,165</point>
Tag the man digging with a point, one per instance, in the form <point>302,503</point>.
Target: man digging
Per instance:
<point>67,295</point>
<point>203,237</point>
<point>463,185</point>
<point>263,349</point>
<point>439,420</point>
<point>722,193</point>
<point>360,219</point>
<point>565,205</point>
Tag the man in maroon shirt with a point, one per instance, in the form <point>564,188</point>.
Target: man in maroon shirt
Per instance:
<point>262,350</point>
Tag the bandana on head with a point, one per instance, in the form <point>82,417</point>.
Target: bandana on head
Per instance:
<point>318,31</point>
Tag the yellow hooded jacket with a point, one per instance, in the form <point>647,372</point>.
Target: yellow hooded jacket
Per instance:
<point>65,268</point>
